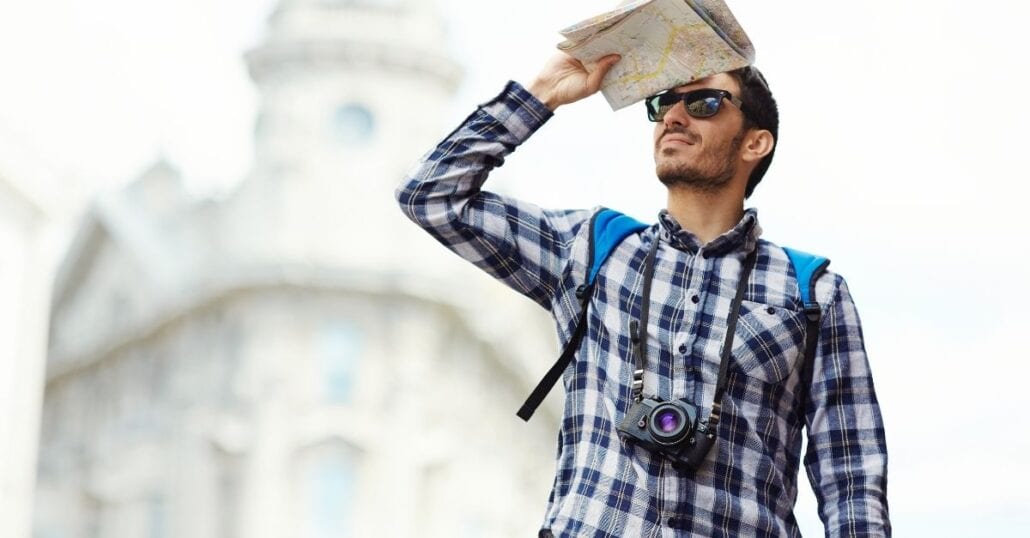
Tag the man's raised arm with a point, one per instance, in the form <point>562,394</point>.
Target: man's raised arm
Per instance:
<point>516,242</point>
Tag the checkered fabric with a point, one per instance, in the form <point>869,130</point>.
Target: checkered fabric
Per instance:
<point>604,486</point>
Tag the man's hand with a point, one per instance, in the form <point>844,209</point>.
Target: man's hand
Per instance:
<point>565,79</point>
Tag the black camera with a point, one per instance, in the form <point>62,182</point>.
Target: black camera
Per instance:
<point>669,428</point>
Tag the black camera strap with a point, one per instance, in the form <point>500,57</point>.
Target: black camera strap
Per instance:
<point>638,331</point>
<point>727,344</point>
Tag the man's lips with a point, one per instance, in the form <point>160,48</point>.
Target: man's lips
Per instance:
<point>676,139</point>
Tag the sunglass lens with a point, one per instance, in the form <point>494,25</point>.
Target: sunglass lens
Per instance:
<point>704,106</point>
<point>658,105</point>
<point>652,108</point>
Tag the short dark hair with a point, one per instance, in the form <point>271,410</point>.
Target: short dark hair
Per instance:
<point>760,112</point>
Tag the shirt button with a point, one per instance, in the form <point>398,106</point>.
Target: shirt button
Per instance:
<point>770,310</point>
<point>683,349</point>
<point>695,299</point>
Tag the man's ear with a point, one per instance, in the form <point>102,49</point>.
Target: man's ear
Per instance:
<point>757,144</point>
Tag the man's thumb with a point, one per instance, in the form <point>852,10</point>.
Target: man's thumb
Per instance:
<point>600,70</point>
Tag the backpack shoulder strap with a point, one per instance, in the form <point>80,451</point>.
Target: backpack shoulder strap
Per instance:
<point>808,268</point>
<point>607,229</point>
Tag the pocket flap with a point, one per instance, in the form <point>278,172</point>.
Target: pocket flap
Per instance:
<point>768,341</point>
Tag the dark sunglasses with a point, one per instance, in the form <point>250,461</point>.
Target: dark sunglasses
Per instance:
<point>703,103</point>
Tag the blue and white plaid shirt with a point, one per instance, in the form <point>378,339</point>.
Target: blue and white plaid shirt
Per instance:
<point>604,486</point>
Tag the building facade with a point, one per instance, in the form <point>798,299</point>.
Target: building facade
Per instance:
<point>295,359</point>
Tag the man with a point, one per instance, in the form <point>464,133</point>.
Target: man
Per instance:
<point>711,149</point>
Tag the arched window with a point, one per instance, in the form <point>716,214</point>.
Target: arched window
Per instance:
<point>328,490</point>
<point>339,351</point>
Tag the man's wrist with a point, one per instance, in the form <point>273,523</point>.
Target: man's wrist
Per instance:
<point>545,94</point>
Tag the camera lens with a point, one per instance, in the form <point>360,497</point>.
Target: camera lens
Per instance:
<point>667,421</point>
<point>668,424</point>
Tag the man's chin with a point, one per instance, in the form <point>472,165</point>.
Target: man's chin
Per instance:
<point>690,179</point>
<point>677,175</point>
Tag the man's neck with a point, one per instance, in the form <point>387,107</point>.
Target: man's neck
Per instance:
<point>706,215</point>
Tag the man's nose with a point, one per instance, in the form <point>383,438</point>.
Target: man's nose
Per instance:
<point>677,115</point>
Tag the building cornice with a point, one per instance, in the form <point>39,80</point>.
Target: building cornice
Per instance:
<point>338,55</point>
<point>384,287</point>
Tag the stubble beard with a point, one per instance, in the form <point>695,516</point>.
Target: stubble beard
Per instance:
<point>709,173</point>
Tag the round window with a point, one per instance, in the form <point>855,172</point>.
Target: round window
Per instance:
<point>353,124</point>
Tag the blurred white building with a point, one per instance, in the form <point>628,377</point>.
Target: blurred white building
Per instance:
<point>295,359</point>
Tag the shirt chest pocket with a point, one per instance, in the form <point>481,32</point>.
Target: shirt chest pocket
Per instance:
<point>768,341</point>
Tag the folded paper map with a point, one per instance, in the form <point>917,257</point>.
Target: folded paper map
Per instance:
<point>663,43</point>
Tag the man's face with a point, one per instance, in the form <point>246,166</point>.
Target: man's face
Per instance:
<point>700,153</point>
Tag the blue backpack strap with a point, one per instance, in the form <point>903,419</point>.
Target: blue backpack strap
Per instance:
<point>808,268</point>
<point>610,228</point>
<point>607,229</point>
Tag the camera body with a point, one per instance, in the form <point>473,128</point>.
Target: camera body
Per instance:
<point>669,428</point>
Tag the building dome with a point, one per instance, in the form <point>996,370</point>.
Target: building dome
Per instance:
<point>399,36</point>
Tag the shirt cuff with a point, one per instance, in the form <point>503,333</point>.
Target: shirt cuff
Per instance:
<point>518,110</point>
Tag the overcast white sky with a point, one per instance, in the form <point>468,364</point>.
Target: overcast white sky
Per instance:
<point>902,158</point>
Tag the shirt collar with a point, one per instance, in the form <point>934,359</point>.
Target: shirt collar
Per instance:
<point>743,236</point>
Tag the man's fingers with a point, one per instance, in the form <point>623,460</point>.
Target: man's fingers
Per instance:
<point>565,79</point>
<point>600,70</point>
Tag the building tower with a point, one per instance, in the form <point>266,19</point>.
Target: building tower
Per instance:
<point>293,360</point>
<point>352,92</point>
